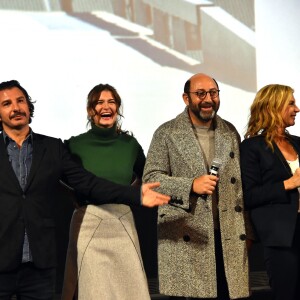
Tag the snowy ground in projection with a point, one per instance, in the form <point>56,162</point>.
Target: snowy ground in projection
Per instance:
<point>59,58</point>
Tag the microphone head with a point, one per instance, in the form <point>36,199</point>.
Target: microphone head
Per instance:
<point>216,163</point>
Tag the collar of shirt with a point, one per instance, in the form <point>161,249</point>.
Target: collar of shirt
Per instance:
<point>8,139</point>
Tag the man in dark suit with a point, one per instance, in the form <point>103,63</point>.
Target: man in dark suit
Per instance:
<point>31,167</point>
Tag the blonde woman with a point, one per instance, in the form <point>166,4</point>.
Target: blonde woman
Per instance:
<point>271,177</point>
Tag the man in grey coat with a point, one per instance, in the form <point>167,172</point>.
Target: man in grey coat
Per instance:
<point>202,251</point>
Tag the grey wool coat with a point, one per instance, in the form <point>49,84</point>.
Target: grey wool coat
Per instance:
<point>186,259</point>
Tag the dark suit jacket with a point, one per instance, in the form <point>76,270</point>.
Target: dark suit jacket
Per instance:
<point>34,207</point>
<point>273,210</point>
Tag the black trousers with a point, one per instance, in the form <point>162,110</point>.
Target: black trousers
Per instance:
<point>222,287</point>
<point>283,268</point>
<point>28,283</point>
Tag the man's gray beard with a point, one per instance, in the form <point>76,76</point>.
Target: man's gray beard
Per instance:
<point>206,118</point>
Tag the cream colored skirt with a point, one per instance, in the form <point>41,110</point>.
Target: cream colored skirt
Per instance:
<point>104,260</point>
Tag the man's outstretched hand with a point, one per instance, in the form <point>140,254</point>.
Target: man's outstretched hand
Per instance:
<point>151,198</point>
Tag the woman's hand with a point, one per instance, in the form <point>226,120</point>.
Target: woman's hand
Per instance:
<point>293,182</point>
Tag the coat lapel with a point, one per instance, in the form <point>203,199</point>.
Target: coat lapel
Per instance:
<point>191,151</point>
<point>185,141</point>
<point>225,150</point>
<point>5,164</point>
<point>282,158</point>
<point>39,150</point>
<point>295,142</point>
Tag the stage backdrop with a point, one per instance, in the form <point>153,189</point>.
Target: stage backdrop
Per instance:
<point>147,49</point>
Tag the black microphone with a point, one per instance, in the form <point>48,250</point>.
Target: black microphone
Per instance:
<point>214,170</point>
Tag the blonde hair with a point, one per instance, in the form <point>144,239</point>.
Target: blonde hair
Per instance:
<point>266,112</point>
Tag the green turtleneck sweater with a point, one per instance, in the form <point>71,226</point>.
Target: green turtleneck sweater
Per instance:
<point>107,154</point>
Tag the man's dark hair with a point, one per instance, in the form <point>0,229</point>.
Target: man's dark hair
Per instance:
<point>187,87</point>
<point>7,85</point>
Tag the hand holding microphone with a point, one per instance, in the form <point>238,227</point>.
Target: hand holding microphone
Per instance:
<point>206,184</point>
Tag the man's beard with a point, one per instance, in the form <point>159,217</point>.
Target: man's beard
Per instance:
<point>203,116</point>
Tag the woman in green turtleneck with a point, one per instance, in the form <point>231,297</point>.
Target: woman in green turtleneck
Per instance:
<point>104,259</point>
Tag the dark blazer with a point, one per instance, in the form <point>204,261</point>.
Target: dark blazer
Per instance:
<point>273,210</point>
<point>34,207</point>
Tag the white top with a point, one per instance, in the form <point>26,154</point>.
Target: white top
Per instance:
<point>294,165</point>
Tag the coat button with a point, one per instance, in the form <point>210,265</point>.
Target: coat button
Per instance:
<point>242,237</point>
<point>238,208</point>
<point>231,154</point>
<point>232,180</point>
<point>186,238</point>
<point>173,199</point>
